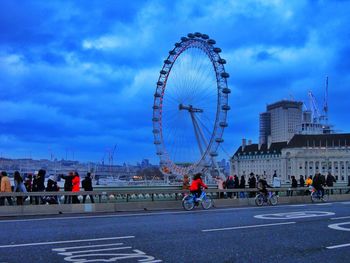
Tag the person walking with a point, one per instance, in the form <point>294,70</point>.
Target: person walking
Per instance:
<point>294,184</point>
<point>221,186</point>
<point>236,185</point>
<point>252,184</point>
<point>28,183</point>
<point>68,185</point>
<point>5,187</point>
<point>242,186</point>
<point>301,184</point>
<point>230,184</point>
<point>87,186</point>
<point>329,181</point>
<point>19,187</point>
<point>75,187</point>
<point>39,185</point>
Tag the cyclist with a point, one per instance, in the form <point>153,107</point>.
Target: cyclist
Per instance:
<point>196,186</point>
<point>318,182</point>
<point>263,185</point>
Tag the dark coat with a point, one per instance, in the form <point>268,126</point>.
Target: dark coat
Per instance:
<point>252,182</point>
<point>294,183</point>
<point>242,183</point>
<point>236,180</point>
<point>318,181</point>
<point>230,184</point>
<point>68,184</point>
<point>330,180</point>
<point>302,182</point>
<point>52,186</point>
<point>86,184</point>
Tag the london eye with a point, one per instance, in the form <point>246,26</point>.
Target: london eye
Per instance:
<point>190,105</point>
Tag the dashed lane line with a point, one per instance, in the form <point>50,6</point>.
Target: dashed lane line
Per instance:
<point>339,246</point>
<point>245,227</point>
<point>64,241</point>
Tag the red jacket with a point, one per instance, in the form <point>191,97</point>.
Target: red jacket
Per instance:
<point>76,184</point>
<point>196,185</point>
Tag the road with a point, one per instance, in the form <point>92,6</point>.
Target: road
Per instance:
<point>285,233</point>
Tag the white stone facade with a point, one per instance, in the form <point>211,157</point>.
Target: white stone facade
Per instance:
<point>298,157</point>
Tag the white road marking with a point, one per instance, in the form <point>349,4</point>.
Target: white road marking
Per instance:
<point>104,245</point>
<point>324,204</point>
<point>345,203</point>
<point>297,205</point>
<point>339,246</point>
<point>65,241</point>
<point>294,215</point>
<point>343,217</point>
<point>338,226</point>
<point>92,250</point>
<point>244,227</point>
<point>94,253</point>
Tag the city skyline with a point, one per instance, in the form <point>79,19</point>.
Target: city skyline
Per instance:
<point>78,78</point>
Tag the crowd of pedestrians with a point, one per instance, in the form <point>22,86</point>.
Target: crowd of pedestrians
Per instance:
<point>36,183</point>
<point>234,182</point>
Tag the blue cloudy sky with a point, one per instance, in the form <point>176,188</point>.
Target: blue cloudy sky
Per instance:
<point>78,77</point>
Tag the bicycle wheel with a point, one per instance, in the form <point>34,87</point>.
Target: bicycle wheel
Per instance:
<point>207,202</point>
<point>187,202</point>
<point>314,197</point>
<point>273,200</point>
<point>325,198</point>
<point>259,200</point>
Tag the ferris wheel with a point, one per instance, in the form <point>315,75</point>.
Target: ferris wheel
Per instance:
<point>190,106</point>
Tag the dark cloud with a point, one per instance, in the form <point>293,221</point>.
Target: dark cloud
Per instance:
<point>81,75</point>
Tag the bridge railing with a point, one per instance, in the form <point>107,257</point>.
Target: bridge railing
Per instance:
<point>161,194</point>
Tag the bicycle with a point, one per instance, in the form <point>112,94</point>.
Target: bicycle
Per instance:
<point>316,196</point>
<point>261,199</point>
<point>190,201</point>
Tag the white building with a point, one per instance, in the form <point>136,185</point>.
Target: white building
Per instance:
<point>302,155</point>
<point>280,121</point>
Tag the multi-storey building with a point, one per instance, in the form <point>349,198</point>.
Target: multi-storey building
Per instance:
<point>302,155</point>
<point>280,121</point>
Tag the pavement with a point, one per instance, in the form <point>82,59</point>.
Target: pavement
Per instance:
<point>284,233</point>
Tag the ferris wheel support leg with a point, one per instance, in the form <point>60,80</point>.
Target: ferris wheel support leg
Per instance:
<point>197,132</point>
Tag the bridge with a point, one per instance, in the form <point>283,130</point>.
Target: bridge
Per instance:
<point>149,225</point>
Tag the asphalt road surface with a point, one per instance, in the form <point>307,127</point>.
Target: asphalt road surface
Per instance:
<point>285,233</point>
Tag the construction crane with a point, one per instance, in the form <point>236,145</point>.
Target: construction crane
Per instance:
<point>315,113</point>
<point>325,103</point>
<point>317,116</point>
